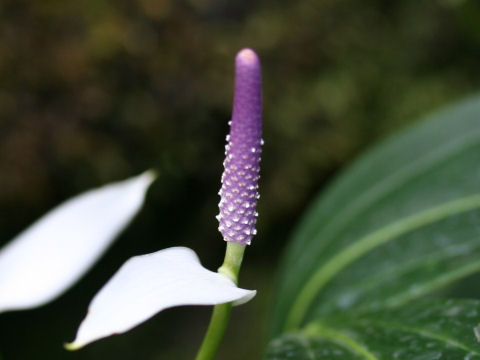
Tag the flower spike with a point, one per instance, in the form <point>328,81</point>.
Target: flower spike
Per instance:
<point>239,191</point>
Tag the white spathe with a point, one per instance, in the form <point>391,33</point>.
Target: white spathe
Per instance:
<point>150,283</point>
<point>53,253</point>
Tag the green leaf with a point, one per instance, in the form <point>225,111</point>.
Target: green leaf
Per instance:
<point>401,222</point>
<point>427,330</point>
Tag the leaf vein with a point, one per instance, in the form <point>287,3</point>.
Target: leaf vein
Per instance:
<point>388,184</point>
<point>369,242</point>
<point>421,332</point>
<point>379,278</point>
<point>447,278</point>
<point>339,338</point>
<point>307,346</point>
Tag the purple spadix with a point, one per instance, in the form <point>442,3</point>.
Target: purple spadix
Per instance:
<point>239,191</point>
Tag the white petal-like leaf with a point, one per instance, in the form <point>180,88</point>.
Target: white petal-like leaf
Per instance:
<point>150,283</point>
<point>53,253</point>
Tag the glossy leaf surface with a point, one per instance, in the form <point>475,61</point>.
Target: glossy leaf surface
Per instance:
<point>397,225</point>
<point>427,330</point>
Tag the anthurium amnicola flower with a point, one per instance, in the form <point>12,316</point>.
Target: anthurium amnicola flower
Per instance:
<point>147,284</point>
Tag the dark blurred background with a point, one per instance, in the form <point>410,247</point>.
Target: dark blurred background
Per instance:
<point>94,91</point>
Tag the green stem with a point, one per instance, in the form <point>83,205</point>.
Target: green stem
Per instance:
<point>221,313</point>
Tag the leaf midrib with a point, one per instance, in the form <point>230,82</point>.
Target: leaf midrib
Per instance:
<point>379,237</point>
<point>383,188</point>
<point>388,185</point>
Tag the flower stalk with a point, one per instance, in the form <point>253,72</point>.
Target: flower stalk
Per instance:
<point>221,313</point>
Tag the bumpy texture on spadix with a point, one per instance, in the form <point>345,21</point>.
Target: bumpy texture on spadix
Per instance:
<point>239,191</point>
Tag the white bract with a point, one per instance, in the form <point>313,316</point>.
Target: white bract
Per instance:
<point>147,284</point>
<point>53,253</point>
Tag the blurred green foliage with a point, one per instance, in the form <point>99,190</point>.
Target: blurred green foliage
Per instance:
<point>93,91</point>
